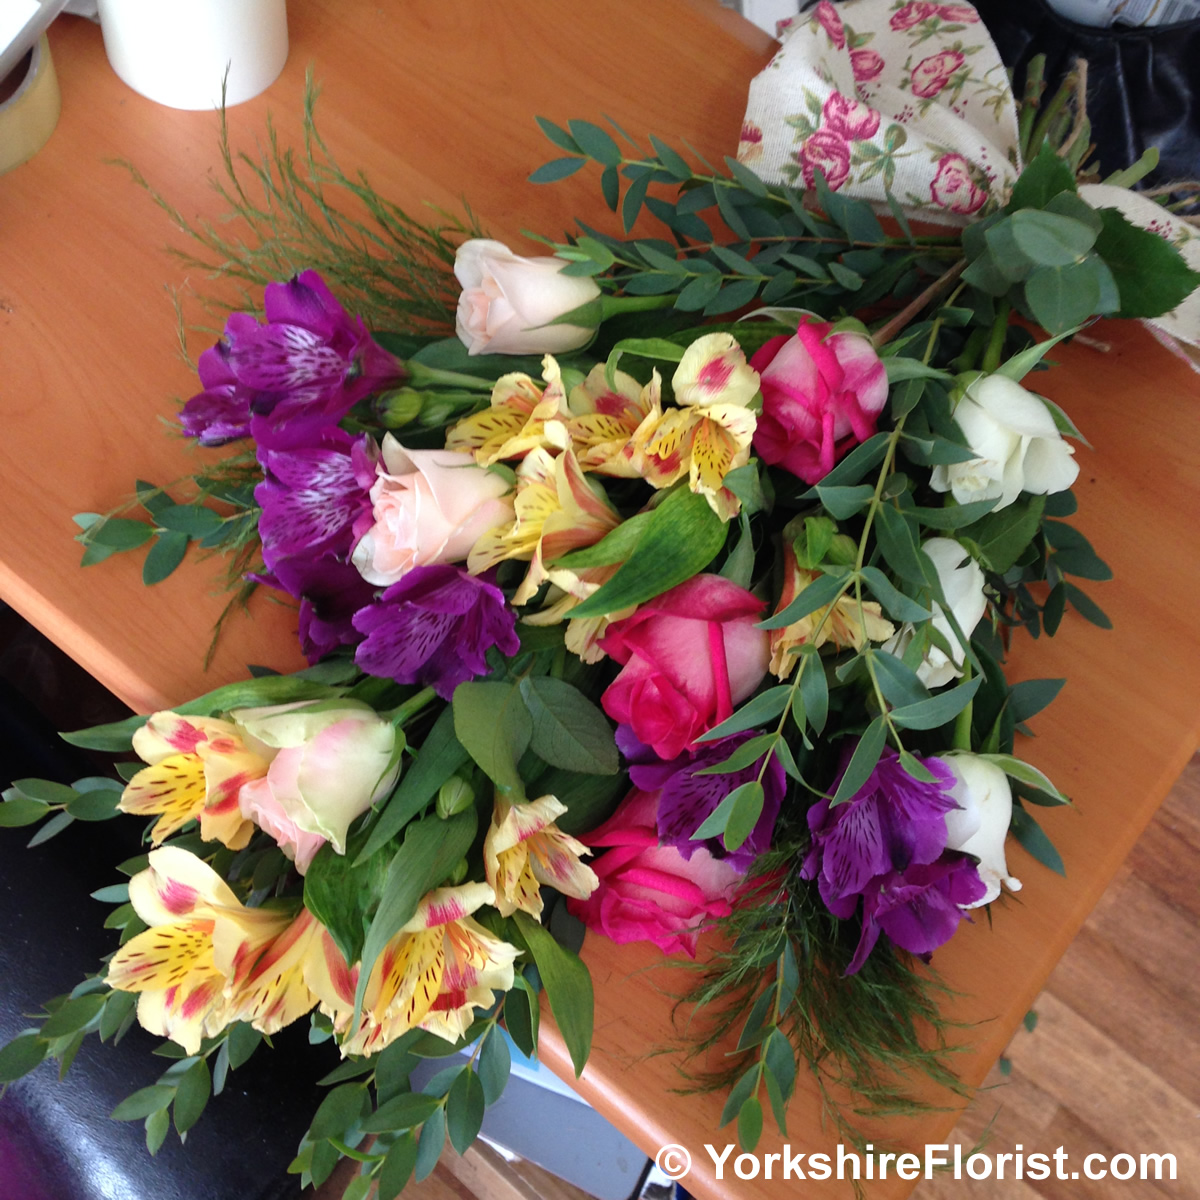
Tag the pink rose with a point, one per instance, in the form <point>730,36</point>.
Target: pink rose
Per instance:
<point>827,17</point>
<point>932,74</point>
<point>428,507</point>
<point>962,13</point>
<point>328,764</point>
<point>689,656</point>
<point>953,187</point>
<point>866,64</point>
<point>648,892</point>
<point>913,14</point>
<point>829,151</point>
<point>849,117</point>
<point>822,395</point>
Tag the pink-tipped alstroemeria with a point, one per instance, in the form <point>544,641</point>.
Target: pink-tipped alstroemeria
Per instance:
<point>524,849</point>
<point>197,767</point>
<point>183,965</point>
<point>605,422</point>
<point>432,975</point>
<point>710,433</point>
<point>521,417</point>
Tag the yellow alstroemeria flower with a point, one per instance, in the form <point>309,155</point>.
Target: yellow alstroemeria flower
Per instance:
<point>711,431</point>
<point>432,975</point>
<point>522,416</point>
<point>838,623</point>
<point>197,766</point>
<point>524,848</point>
<point>605,422</point>
<point>200,935</point>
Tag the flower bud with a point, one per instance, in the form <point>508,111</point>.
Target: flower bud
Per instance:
<point>454,796</point>
<point>458,874</point>
<point>397,408</point>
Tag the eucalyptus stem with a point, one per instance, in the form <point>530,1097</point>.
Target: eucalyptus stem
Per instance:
<point>941,284</point>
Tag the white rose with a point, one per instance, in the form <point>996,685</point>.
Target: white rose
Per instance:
<point>962,585</point>
<point>1018,446</point>
<point>508,302</point>
<point>979,826</point>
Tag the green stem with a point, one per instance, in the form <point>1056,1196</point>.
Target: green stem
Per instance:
<point>962,723</point>
<point>421,375</point>
<point>1047,115</point>
<point>413,705</point>
<point>612,306</point>
<point>995,347</point>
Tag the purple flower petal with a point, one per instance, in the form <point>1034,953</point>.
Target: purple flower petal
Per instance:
<point>330,592</point>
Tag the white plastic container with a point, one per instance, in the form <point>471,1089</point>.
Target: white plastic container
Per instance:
<point>177,52</point>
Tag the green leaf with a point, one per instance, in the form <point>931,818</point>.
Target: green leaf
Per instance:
<point>610,187</point>
<point>359,1188</point>
<point>746,178</point>
<point>1017,367</point>
<point>1062,298</point>
<point>568,988</point>
<point>1029,833</point>
<point>937,710</point>
<point>778,1103</point>
<point>397,1167</point>
<point>900,368</point>
<point>338,1112</point>
<point>97,805</point>
<point>738,1095</point>
<point>429,1146</point>
<point>845,502</point>
<point>1051,240</point>
<point>755,1028</point>
<point>431,850</point>
<point>747,753</point>
<point>898,605</point>
<point>735,817</point>
<point>681,538</point>
<point>118,893</point>
<point>671,159</point>
<point>1043,179</point>
<point>143,1102</point>
<point>595,142</point>
<point>781,1063</point>
<point>495,1063</point>
<point>339,889</point>
<point>44,791</point>
<point>612,548</point>
<point>1002,536</point>
<point>118,1006</point>
<point>195,1088</point>
<point>698,293</point>
<point>820,593</point>
<point>631,206</point>
<point>120,533</point>
<point>192,520</point>
<point>405,1111</point>
<point>556,169</point>
<point>915,768</point>
<point>862,761</point>
<point>952,516</point>
<point>558,135</point>
<point>243,1040</point>
<point>464,1110</point>
<point>440,755</point>
<point>20,810</point>
<point>1026,773</point>
<point>755,712</point>
<point>750,1122</point>
<point>569,731</point>
<point>899,547</point>
<point>158,1125</point>
<point>494,725</point>
<point>1081,602</point>
<point>52,828</point>
<point>521,1017</point>
<point>165,555</point>
<point>1151,275</point>
<point>814,693</point>
<point>73,1016</point>
<point>898,682</point>
<point>21,1055</point>
<point>1027,699</point>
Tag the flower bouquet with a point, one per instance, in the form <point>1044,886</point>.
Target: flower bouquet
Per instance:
<point>669,594</point>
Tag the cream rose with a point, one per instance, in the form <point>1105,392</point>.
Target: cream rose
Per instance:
<point>508,302</point>
<point>429,506</point>
<point>329,762</point>
<point>979,825</point>
<point>1017,445</point>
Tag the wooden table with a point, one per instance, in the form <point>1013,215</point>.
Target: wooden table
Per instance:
<point>436,99</point>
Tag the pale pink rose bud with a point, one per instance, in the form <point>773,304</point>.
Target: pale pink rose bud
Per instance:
<point>508,302</point>
<point>429,507</point>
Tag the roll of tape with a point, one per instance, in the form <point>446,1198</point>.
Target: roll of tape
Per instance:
<point>29,115</point>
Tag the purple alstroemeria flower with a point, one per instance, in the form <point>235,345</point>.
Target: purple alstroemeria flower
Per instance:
<point>298,373</point>
<point>435,628</point>
<point>891,823</point>
<point>220,413</point>
<point>919,909</point>
<point>686,798</point>
<point>330,592</point>
<point>312,497</point>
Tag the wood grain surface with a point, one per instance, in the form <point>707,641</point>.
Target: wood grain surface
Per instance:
<point>435,100</point>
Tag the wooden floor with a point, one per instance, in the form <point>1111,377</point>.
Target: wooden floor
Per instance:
<point>1112,1064</point>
